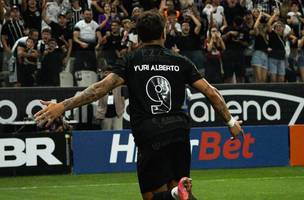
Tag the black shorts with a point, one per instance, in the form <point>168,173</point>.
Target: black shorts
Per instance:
<point>159,164</point>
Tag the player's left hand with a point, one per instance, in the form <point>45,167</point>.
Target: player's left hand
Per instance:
<point>46,116</point>
<point>236,130</point>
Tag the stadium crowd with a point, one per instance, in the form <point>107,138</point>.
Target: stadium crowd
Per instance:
<point>231,41</point>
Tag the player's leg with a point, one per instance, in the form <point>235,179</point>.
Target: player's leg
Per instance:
<point>178,191</point>
<point>180,187</point>
<point>161,193</point>
<point>153,171</point>
<point>181,160</point>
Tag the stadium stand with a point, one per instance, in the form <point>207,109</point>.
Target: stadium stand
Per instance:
<point>262,40</point>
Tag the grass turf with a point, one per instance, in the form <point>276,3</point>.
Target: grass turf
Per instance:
<point>275,183</point>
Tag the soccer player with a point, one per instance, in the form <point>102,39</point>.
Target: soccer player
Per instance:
<point>156,79</point>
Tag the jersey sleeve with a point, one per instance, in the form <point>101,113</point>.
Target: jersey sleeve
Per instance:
<point>192,72</point>
<point>120,67</point>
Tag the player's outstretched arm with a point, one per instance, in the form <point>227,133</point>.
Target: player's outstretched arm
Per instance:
<point>218,103</point>
<point>94,92</point>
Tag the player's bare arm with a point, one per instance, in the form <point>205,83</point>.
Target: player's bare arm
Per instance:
<point>218,103</point>
<point>90,94</point>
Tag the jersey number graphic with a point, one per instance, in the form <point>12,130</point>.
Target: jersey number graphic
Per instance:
<point>159,90</point>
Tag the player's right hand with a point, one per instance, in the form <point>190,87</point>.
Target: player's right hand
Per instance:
<point>46,116</point>
<point>236,130</point>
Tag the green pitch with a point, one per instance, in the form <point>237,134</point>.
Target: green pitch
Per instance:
<point>229,184</point>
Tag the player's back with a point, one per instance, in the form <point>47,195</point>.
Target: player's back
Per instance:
<point>156,80</point>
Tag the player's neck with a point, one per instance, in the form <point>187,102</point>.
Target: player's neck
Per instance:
<point>154,42</point>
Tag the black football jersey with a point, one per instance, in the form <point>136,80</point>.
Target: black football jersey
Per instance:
<point>156,80</point>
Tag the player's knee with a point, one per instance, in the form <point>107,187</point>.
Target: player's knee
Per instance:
<point>147,196</point>
<point>172,184</point>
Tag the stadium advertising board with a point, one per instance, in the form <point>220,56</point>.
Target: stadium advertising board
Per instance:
<point>34,153</point>
<point>115,151</point>
<point>256,104</point>
<point>296,140</point>
<point>18,105</point>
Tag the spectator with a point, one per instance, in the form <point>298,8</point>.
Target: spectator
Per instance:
<point>232,9</point>
<point>85,37</point>
<point>259,59</point>
<point>32,15</point>
<point>133,36</point>
<point>134,3</point>
<point>217,12</point>
<point>97,8</point>
<point>77,12</point>
<point>284,6</point>
<point>128,5</point>
<point>295,19</point>
<point>171,5</point>
<point>52,64</point>
<point>16,71</point>
<point>277,53</point>
<point>174,26</point>
<point>185,4</point>
<point>12,30</point>
<point>4,6</point>
<point>135,13</point>
<point>265,6</point>
<point>247,28</point>
<point>119,9</point>
<point>111,44</point>
<point>33,34</point>
<point>255,13</point>
<point>2,13</point>
<point>65,6</point>
<point>126,27</point>
<point>106,18</point>
<point>85,4</point>
<point>173,29</point>
<point>51,11</point>
<point>233,57</point>
<point>189,41</point>
<point>42,45</point>
<point>27,61</point>
<point>214,46</point>
<point>301,56</point>
<point>223,14</point>
<point>111,107</point>
<point>62,33</point>
<point>248,4</point>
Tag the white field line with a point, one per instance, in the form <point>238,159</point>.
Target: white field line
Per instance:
<point>121,184</point>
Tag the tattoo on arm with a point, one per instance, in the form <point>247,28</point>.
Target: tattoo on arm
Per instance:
<point>93,92</point>
<point>218,103</point>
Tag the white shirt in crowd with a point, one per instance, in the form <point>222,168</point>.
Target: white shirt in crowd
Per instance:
<point>52,12</point>
<point>294,16</point>
<point>20,41</point>
<point>87,30</point>
<point>218,13</point>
